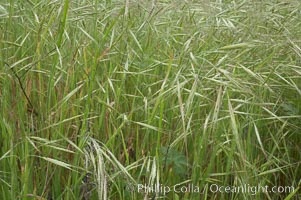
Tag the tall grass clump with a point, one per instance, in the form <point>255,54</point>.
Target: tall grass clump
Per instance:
<point>98,98</point>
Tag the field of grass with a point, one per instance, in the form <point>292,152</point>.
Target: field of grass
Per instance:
<point>98,98</point>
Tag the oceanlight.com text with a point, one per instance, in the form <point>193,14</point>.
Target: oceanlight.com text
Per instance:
<point>253,190</point>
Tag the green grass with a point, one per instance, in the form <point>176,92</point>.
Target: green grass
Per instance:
<point>97,97</point>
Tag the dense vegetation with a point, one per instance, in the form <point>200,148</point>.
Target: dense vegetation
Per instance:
<point>100,96</point>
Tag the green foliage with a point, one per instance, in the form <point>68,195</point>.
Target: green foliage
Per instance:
<point>97,97</point>
<point>174,161</point>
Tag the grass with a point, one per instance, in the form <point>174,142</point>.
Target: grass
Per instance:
<point>100,96</point>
